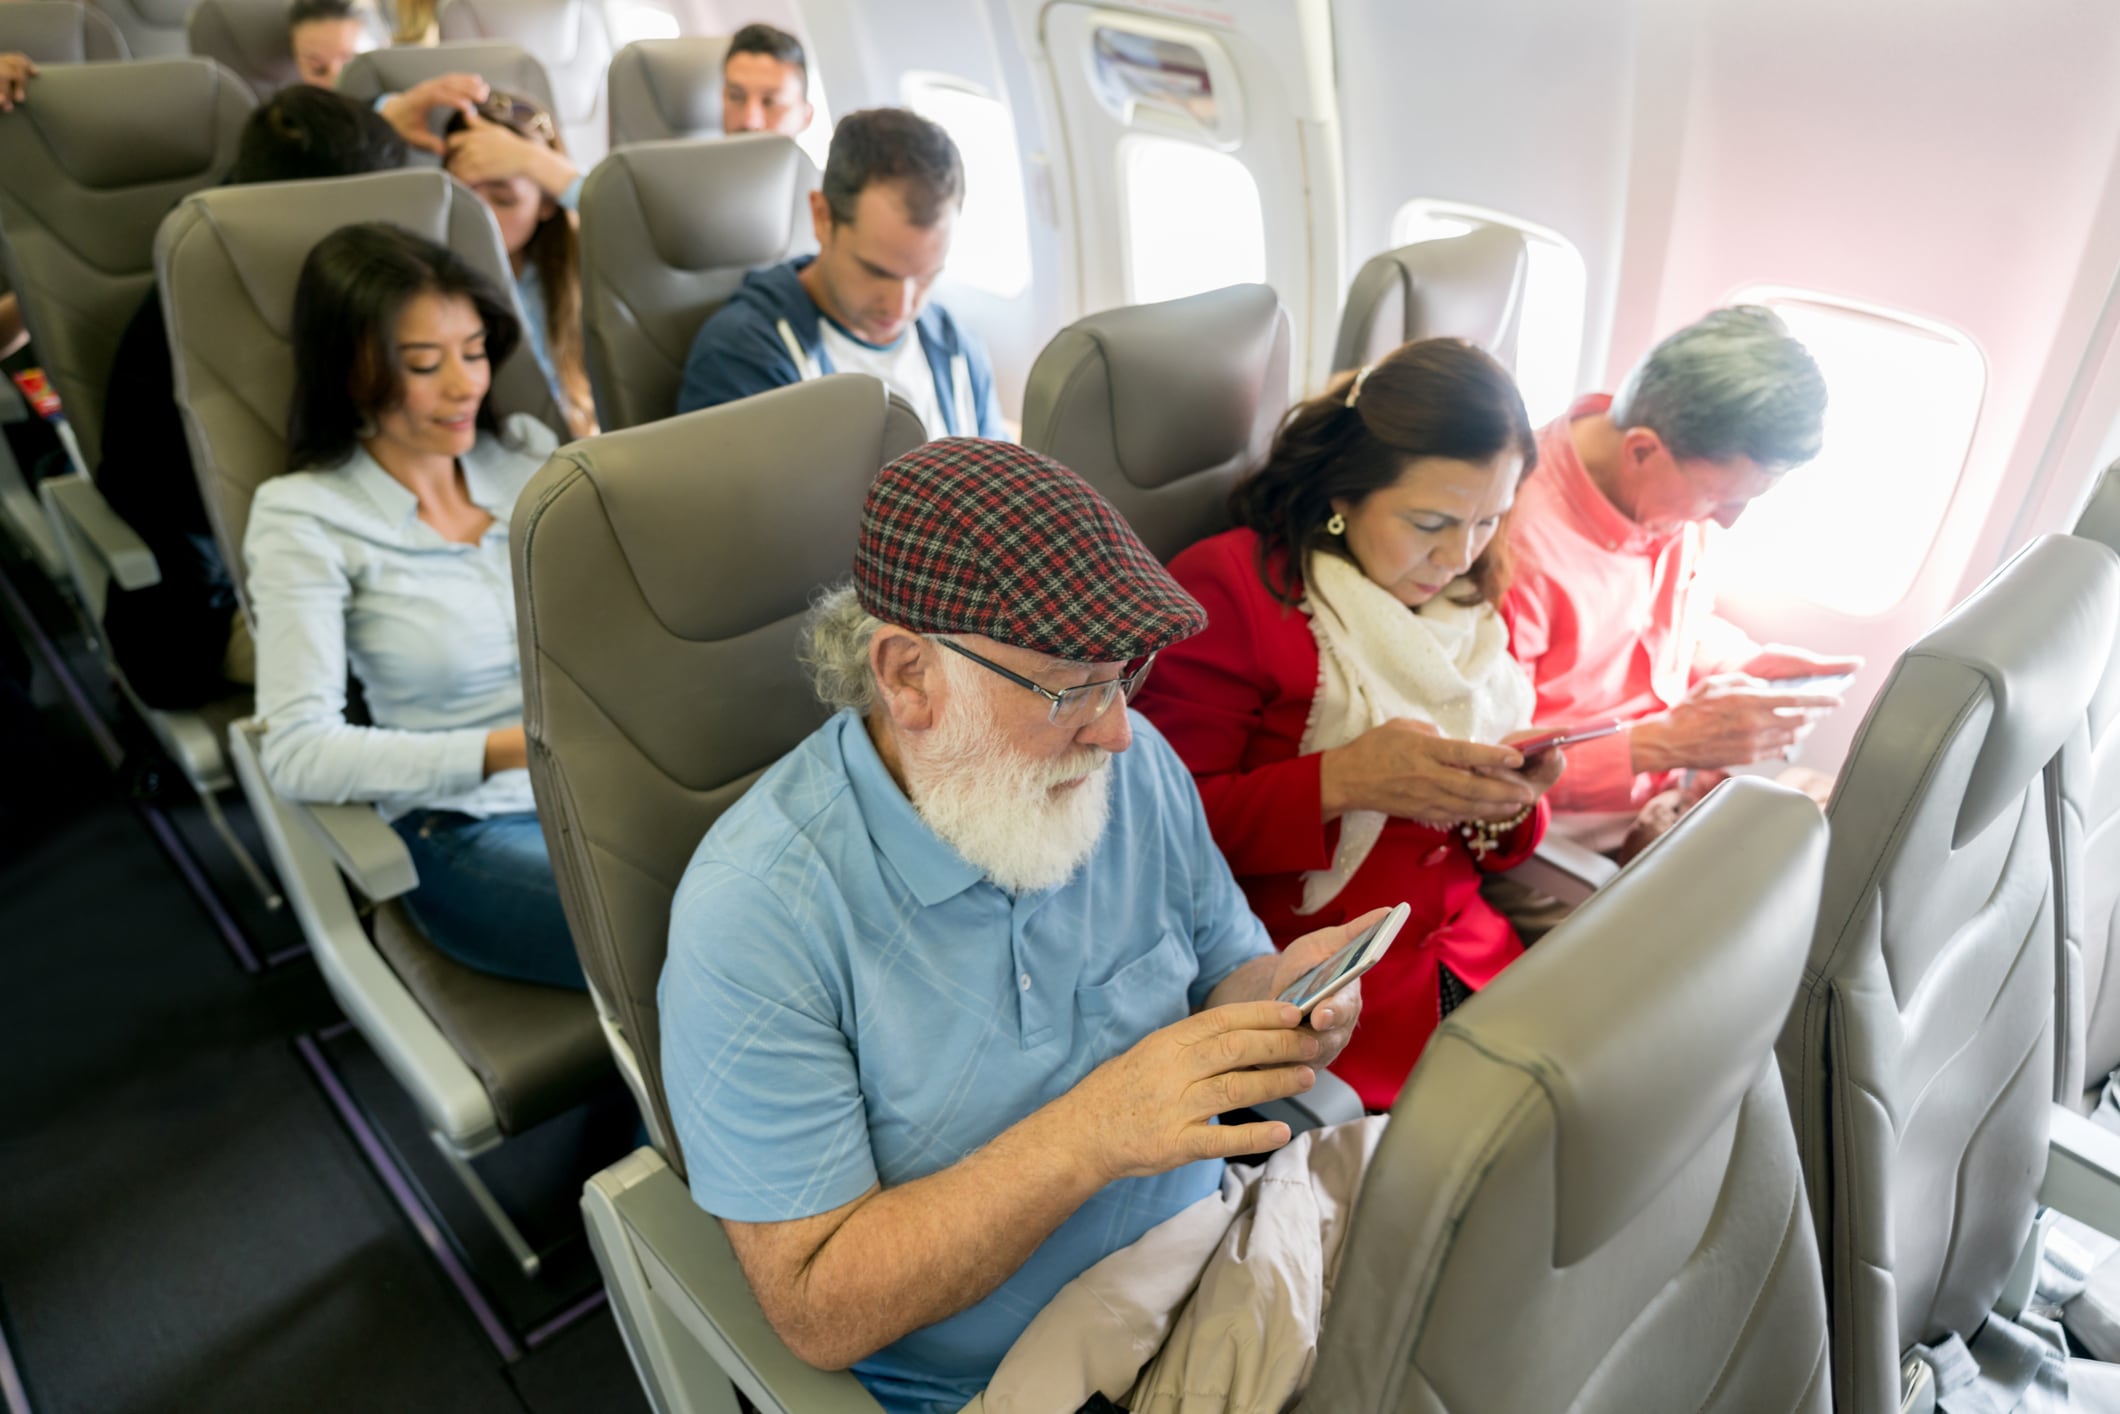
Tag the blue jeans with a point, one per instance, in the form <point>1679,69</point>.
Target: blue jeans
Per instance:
<point>487,896</point>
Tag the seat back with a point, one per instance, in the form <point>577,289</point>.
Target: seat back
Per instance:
<point>229,261</point>
<point>667,88</point>
<point>249,38</point>
<point>661,577</point>
<point>500,63</point>
<point>2083,792</point>
<point>153,29</point>
<point>1162,407</point>
<point>573,43</point>
<point>1588,1197</point>
<point>59,32</point>
<point>668,231</point>
<point>1467,287</point>
<point>1919,1057</point>
<point>88,169</point>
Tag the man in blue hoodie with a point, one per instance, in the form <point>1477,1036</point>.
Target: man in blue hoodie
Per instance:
<point>892,188</point>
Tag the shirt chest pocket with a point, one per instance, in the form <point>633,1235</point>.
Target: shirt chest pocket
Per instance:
<point>1145,994</point>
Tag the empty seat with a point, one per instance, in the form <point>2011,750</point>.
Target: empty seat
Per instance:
<point>1467,287</point>
<point>667,88</point>
<point>501,64</point>
<point>153,29</point>
<point>668,231</point>
<point>59,32</point>
<point>1588,1197</point>
<point>1162,407</point>
<point>1919,1056</point>
<point>571,40</point>
<point>483,1058</point>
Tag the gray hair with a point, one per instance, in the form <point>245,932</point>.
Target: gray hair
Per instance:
<point>835,648</point>
<point>1735,384</point>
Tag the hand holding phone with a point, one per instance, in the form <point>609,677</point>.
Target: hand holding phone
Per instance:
<point>1365,951</point>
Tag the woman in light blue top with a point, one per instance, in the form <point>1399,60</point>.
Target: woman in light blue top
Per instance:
<point>385,550</point>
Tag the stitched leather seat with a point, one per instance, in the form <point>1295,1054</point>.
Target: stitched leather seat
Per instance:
<point>667,88</point>
<point>230,259</point>
<point>570,39</point>
<point>1588,1198</point>
<point>1163,406</point>
<point>669,229</point>
<point>60,32</point>
<point>1919,1057</point>
<point>1467,287</point>
<point>661,578</point>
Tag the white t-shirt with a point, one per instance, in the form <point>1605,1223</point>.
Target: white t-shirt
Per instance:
<point>903,367</point>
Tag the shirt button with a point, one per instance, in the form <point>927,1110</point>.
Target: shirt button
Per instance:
<point>1024,981</point>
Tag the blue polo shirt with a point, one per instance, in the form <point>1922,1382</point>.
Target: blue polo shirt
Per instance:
<point>848,1002</point>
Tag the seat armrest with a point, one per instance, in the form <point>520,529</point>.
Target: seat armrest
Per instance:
<point>2082,1171</point>
<point>367,851</point>
<point>123,554</point>
<point>1564,870</point>
<point>1330,1101</point>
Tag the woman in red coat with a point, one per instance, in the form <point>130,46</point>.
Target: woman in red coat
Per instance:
<point>1344,709</point>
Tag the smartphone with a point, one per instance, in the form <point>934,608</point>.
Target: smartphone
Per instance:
<point>1822,684</point>
<point>1564,736</point>
<point>1364,952</point>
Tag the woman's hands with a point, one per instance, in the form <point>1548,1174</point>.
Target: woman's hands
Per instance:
<point>488,152</point>
<point>1405,768</point>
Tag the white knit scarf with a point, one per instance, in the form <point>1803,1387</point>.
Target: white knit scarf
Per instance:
<point>1446,664</point>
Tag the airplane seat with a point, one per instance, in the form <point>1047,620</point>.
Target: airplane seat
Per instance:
<point>1162,407</point>
<point>249,38</point>
<point>88,168</point>
<point>153,29</point>
<point>662,574</point>
<point>483,1058</point>
<point>502,64</point>
<point>669,230</point>
<point>1919,1057</point>
<point>570,38</point>
<point>667,88</point>
<point>60,32</point>
<point>1588,1197</point>
<point>1466,287</point>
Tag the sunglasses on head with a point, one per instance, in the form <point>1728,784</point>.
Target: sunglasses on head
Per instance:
<point>520,114</point>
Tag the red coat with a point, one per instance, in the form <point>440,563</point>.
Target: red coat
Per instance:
<point>1233,700</point>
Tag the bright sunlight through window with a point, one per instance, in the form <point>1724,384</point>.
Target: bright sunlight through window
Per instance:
<point>638,19</point>
<point>1549,342</point>
<point>1850,530</point>
<point>992,247</point>
<point>1193,220</point>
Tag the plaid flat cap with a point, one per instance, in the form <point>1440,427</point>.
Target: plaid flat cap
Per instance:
<point>971,536</point>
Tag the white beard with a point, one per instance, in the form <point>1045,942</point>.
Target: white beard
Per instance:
<point>998,807</point>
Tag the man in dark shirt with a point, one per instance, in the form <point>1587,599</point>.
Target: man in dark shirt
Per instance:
<point>180,641</point>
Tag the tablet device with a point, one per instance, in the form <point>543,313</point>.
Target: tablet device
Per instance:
<point>1564,736</point>
<point>1365,951</point>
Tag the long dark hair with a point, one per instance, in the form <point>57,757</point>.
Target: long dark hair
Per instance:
<point>1429,398</point>
<point>353,287</point>
<point>555,253</point>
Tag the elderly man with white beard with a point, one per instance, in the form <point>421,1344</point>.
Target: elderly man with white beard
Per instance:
<point>955,992</point>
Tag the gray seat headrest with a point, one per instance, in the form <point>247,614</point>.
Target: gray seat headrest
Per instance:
<point>89,117</point>
<point>153,29</point>
<point>59,32</point>
<point>1467,287</point>
<point>250,38</point>
<point>2039,682</point>
<point>1162,406</point>
<point>711,203</point>
<point>1632,1104</point>
<point>667,88</point>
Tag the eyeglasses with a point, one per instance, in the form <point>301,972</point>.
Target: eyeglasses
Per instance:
<point>525,117</point>
<point>1073,706</point>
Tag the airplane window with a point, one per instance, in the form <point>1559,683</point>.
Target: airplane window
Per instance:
<point>1550,338</point>
<point>1193,219</point>
<point>816,139</point>
<point>1849,531</point>
<point>639,19</point>
<point>992,248</point>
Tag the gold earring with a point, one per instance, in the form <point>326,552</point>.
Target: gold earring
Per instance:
<point>1337,525</point>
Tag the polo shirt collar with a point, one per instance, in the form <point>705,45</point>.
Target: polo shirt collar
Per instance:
<point>399,506</point>
<point>1595,517</point>
<point>930,868</point>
